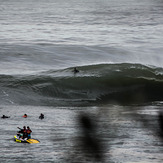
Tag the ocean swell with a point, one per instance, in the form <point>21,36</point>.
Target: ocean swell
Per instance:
<point>94,84</point>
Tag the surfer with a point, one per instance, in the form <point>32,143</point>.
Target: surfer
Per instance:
<point>75,70</point>
<point>25,116</point>
<point>41,116</point>
<point>4,116</point>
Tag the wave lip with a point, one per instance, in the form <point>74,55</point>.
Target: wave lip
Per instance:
<point>95,84</point>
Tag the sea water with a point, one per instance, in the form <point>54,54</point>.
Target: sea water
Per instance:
<point>109,111</point>
<point>120,134</point>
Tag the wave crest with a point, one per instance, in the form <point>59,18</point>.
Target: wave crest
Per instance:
<point>103,83</point>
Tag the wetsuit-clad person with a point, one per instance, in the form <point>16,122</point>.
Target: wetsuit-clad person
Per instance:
<point>75,70</point>
<point>4,116</point>
<point>41,116</point>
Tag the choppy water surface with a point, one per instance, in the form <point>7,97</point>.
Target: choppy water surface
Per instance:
<point>109,111</point>
<point>65,33</point>
<point>122,134</point>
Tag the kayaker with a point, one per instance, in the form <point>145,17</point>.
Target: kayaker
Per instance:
<point>29,131</point>
<point>23,132</point>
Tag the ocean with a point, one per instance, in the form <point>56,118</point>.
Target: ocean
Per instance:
<point>109,111</point>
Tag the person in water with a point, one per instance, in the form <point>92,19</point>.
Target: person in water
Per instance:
<point>4,116</point>
<point>25,116</point>
<point>41,116</point>
<point>75,70</point>
<point>29,131</point>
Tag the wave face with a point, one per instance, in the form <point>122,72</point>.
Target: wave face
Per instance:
<point>94,84</point>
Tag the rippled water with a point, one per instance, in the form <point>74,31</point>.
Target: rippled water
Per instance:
<point>124,134</point>
<point>109,111</point>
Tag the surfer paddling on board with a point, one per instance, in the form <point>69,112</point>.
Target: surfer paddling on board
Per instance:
<point>75,70</point>
<point>24,116</point>
<point>4,116</point>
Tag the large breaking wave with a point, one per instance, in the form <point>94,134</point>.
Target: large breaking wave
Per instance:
<point>94,84</point>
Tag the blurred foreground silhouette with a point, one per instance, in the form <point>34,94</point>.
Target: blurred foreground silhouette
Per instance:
<point>160,121</point>
<point>87,145</point>
<point>91,142</point>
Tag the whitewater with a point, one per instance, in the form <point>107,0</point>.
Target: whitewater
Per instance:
<point>116,46</point>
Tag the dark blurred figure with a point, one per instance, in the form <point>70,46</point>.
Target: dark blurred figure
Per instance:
<point>4,116</point>
<point>41,116</point>
<point>75,70</point>
<point>22,133</point>
<point>24,116</point>
<point>90,142</point>
<point>160,121</point>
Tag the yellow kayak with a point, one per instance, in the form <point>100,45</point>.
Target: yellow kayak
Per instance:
<point>30,141</point>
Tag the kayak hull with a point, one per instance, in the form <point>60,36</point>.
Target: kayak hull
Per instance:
<point>18,140</point>
<point>29,141</point>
